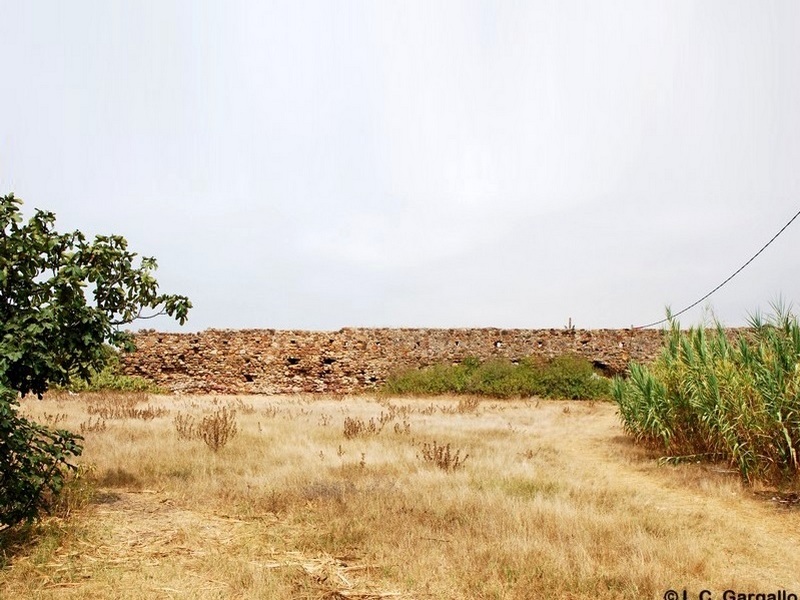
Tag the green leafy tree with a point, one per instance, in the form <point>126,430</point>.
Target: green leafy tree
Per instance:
<point>62,298</point>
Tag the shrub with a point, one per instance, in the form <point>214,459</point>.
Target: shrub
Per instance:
<point>218,428</point>
<point>573,378</point>
<point>716,397</point>
<point>567,376</point>
<point>110,379</point>
<point>185,426</point>
<point>34,463</point>
<point>356,426</point>
<point>442,456</point>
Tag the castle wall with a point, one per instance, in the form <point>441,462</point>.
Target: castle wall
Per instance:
<point>352,360</point>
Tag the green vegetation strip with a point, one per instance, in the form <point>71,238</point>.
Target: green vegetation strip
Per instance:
<point>110,378</point>
<point>567,376</point>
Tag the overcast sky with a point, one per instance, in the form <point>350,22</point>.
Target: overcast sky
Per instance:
<point>317,165</point>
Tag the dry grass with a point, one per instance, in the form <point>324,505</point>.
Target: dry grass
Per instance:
<point>553,503</point>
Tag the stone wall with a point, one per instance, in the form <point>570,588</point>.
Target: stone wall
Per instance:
<point>267,361</point>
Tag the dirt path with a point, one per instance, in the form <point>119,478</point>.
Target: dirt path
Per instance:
<point>763,534</point>
<point>133,533</point>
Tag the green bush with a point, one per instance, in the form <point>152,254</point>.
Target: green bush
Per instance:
<point>109,378</point>
<point>34,462</point>
<point>718,397</point>
<point>573,377</point>
<point>567,376</point>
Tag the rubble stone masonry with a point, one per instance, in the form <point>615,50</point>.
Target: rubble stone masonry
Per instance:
<point>352,360</point>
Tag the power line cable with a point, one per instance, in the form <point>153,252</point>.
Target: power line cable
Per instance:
<point>739,270</point>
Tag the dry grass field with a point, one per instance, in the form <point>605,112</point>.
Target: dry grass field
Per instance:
<point>551,502</point>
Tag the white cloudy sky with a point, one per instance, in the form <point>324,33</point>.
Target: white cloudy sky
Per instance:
<point>317,165</point>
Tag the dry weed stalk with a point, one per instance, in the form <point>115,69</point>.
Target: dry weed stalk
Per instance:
<point>93,426</point>
<point>398,411</point>
<point>271,411</point>
<point>443,457</point>
<point>403,428</point>
<point>356,426</point>
<point>218,428</point>
<point>53,420</point>
<point>468,405</point>
<point>428,410</point>
<point>185,426</point>
<point>123,406</point>
<point>245,408</point>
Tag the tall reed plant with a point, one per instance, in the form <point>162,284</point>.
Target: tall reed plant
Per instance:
<point>716,395</point>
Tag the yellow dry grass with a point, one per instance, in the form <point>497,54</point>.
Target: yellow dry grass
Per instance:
<point>553,502</point>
